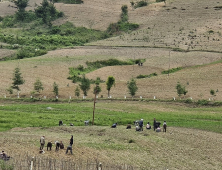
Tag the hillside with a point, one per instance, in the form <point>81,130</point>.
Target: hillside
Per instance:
<point>191,26</point>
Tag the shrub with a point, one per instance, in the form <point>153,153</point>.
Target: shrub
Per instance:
<point>131,141</point>
<point>188,101</point>
<point>172,70</point>
<point>180,89</point>
<point>70,1</point>
<point>140,4</point>
<point>202,102</point>
<point>80,67</point>
<point>146,76</point>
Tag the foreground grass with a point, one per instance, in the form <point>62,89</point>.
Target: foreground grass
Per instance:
<point>107,113</point>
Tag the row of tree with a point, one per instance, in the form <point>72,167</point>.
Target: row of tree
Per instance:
<point>84,85</point>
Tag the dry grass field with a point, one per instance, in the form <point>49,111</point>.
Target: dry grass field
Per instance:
<point>179,148</point>
<point>179,24</point>
<point>190,25</point>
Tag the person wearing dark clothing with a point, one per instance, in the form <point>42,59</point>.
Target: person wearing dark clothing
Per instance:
<point>141,124</point>
<point>57,145</point>
<point>69,148</point>
<point>60,123</point>
<point>164,126</point>
<point>154,124</point>
<point>49,146</point>
<point>114,125</point>
<point>61,145</point>
<point>71,140</point>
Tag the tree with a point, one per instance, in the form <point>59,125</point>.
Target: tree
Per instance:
<point>77,91</point>
<point>47,12</point>
<point>109,83</point>
<point>132,87</point>
<point>84,85</point>
<point>55,89</point>
<point>38,85</point>
<point>21,5</point>
<point>212,92</point>
<point>124,14</point>
<point>97,89</point>
<point>17,79</point>
<point>181,89</point>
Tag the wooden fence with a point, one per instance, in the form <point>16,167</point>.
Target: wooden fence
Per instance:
<point>26,162</point>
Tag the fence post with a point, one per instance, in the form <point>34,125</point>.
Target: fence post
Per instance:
<point>32,163</point>
<point>100,166</point>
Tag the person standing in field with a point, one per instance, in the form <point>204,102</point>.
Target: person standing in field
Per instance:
<point>71,140</point>
<point>164,126</point>
<point>42,142</point>
<point>154,124</point>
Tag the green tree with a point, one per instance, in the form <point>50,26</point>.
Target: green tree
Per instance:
<point>77,92</point>
<point>21,5</point>
<point>124,14</point>
<point>84,85</point>
<point>97,89</point>
<point>181,89</point>
<point>38,85</point>
<point>132,87</point>
<point>17,79</point>
<point>109,83</point>
<point>55,89</point>
<point>212,92</point>
<point>47,12</point>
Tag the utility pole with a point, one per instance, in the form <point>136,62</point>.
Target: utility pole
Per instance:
<point>94,105</point>
<point>169,65</point>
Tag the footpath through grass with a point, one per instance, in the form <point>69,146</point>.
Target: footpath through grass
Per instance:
<point>107,113</point>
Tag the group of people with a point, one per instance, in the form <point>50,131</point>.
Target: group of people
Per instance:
<point>57,144</point>
<point>156,125</point>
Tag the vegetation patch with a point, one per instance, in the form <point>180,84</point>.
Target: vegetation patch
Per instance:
<point>38,115</point>
<point>172,70</point>
<point>122,25</point>
<point>91,66</point>
<point>146,76</point>
<point>70,1</point>
<point>218,7</point>
<point>139,4</point>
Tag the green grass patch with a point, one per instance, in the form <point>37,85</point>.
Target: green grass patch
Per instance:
<point>172,70</point>
<point>91,66</point>
<point>107,113</point>
<point>146,76</point>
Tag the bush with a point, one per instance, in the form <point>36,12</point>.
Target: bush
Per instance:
<point>131,141</point>
<point>140,4</point>
<point>172,70</point>
<point>188,101</point>
<point>160,0</point>
<point>202,102</point>
<point>146,76</point>
<point>70,1</point>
